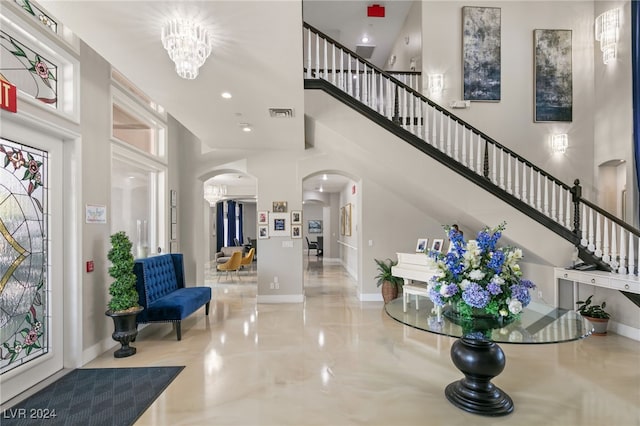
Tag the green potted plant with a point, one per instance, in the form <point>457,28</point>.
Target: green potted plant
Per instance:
<point>123,306</point>
<point>390,284</point>
<point>595,314</point>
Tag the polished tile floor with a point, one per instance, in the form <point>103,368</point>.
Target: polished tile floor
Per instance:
<point>333,360</point>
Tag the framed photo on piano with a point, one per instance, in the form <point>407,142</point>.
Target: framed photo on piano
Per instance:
<point>436,244</point>
<point>421,246</point>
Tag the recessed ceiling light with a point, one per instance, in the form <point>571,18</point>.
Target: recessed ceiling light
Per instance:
<point>246,127</point>
<point>226,95</point>
<point>324,177</point>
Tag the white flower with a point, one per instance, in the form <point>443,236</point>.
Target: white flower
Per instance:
<point>431,262</point>
<point>503,312</point>
<point>464,283</point>
<point>476,275</point>
<point>497,279</point>
<point>515,306</point>
<point>444,291</point>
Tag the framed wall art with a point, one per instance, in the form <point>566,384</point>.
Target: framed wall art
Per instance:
<point>314,227</point>
<point>553,75</point>
<point>263,218</point>
<point>296,231</point>
<point>347,220</point>
<point>263,231</point>
<point>279,206</point>
<point>422,245</point>
<point>481,46</point>
<point>296,217</point>
<point>436,244</point>
<point>279,225</point>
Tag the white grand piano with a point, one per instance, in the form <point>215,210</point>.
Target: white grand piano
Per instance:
<point>413,267</point>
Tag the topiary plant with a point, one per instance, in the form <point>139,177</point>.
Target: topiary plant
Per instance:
<point>123,290</point>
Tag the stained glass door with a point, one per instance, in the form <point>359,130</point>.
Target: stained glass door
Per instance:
<point>30,277</point>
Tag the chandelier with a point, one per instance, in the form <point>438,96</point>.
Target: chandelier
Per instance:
<point>188,45</point>
<point>214,193</point>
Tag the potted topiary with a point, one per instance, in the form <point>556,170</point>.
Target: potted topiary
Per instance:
<point>595,314</point>
<point>390,284</point>
<point>123,306</point>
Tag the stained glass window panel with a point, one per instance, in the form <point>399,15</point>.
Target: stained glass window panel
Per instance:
<point>24,313</point>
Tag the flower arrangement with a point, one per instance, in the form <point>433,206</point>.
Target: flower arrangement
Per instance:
<point>477,277</point>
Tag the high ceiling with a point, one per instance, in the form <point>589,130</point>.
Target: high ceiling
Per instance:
<point>257,57</point>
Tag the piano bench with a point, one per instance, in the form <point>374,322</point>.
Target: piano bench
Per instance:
<point>416,290</point>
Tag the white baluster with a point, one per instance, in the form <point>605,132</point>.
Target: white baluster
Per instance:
<point>584,242</point>
<point>309,35</point>
<point>349,77</point>
<point>606,257</point>
<point>448,136</point>
<point>494,168</point>
<point>389,101</point>
<point>539,195</point>
<point>632,256</point>
<point>532,188</point>
<point>464,147</point>
<point>441,132</point>
<point>524,182</point>
<point>333,62</point>
<point>317,55</point>
<point>381,103</point>
<point>411,106</point>
<point>517,180</point>
<point>357,79</point>
<point>509,182</point>
<point>479,156</point>
<point>455,141</point>
<point>546,195</point>
<point>471,165</point>
<point>553,201</point>
<point>623,268</point>
<point>374,98</point>
<point>419,116</point>
<point>591,247</point>
<point>598,251</point>
<point>365,85</point>
<point>341,79</point>
<point>501,153</point>
<point>560,208</point>
<point>404,108</point>
<point>614,245</point>
<point>324,65</point>
<point>567,220</point>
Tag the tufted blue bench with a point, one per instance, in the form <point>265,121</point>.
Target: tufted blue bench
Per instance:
<point>161,291</point>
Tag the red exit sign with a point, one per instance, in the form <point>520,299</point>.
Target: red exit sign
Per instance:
<point>8,96</point>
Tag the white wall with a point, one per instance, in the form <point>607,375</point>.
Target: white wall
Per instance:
<point>510,121</point>
<point>403,50</point>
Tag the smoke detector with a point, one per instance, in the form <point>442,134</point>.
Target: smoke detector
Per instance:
<point>281,112</point>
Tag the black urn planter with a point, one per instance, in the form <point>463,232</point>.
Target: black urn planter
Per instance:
<point>126,330</point>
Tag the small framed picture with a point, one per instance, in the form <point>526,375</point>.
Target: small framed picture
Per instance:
<point>174,198</point>
<point>263,218</point>
<point>279,225</point>
<point>422,245</point>
<point>279,206</point>
<point>263,231</point>
<point>296,231</point>
<point>174,215</point>
<point>436,244</point>
<point>174,231</point>
<point>173,247</point>
<point>296,217</point>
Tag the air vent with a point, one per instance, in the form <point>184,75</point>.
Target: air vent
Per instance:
<point>365,51</point>
<point>281,112</point>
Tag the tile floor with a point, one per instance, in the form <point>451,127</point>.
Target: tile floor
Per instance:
<point>333,360</point>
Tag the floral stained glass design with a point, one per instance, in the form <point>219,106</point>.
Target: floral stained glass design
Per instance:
<point>28,70</point>
<point>38,14</point>
<point>24,313</point>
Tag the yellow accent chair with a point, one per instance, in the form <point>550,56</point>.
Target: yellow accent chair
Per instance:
<point>231,265</point>
<point>248,259</point>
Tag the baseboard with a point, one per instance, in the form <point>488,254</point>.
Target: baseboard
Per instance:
<point>371,297</point>
<point>98,349</point>
<point>281,298</point>
<point>624,330</point>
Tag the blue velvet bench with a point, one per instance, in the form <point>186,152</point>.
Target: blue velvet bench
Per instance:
<point>161,291</point>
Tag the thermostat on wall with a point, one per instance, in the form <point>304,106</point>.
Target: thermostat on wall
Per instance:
<point>460,104</point>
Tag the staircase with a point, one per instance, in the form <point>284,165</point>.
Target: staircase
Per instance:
<point>600,237</point>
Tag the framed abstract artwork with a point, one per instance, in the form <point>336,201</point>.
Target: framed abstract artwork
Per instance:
<point>481,45</point>
<point>553,75</point>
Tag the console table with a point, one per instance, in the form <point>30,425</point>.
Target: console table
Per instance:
<point>628,283</point>
<point>480,358</point>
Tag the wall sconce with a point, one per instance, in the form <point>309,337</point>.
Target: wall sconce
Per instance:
<point>607,33</point>
<point>436,83</point>
<point>559,143</point>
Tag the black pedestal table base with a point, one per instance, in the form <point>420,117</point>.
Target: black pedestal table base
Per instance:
<point>480,361</point>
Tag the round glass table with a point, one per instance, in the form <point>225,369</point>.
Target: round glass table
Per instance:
<point>477,354</point>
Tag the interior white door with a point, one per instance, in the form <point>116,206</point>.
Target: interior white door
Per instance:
<point>31,257</point>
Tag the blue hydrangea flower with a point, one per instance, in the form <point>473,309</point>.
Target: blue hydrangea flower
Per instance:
<point>450,290</point>
<point>475,296</point>
<point>435,297</point>
<point>520,293</point>
<point>527,284</point>
<point>494,288</point>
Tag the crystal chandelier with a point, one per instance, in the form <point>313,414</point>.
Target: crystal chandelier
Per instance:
<point>188,45</point>
<point>214,193</point>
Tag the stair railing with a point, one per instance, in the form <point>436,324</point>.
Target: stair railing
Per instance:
<point>606,237</point>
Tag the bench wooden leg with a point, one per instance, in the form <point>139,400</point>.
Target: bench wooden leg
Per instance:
<point>178,330</point>
<point>206,308</point>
